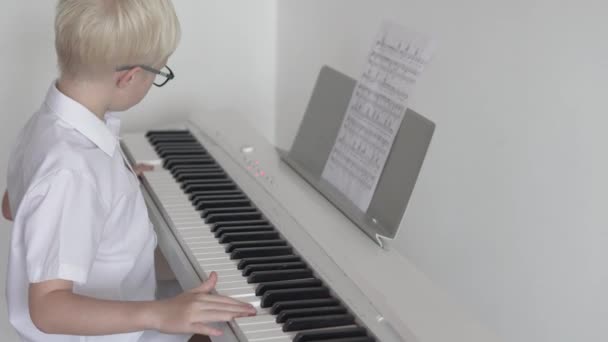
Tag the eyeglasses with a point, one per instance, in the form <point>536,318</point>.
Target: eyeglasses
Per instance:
<point>162,76</point>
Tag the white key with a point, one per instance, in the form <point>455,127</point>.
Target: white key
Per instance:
<point>209,257</point>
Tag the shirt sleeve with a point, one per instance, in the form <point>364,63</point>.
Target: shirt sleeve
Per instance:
<point>62,228</point>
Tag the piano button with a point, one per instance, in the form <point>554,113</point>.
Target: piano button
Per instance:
<point>287,284</point>
<point>310,312</point>
<point>223,204</point>
<point>219,233</point>
<point>254,244</point>
<point>208,212</point>
<point>241,253</point>
<point>273,296</point>
<point>298,324</point>
<point>270,276</point>
<point>227,224</point>
<point>273,267</point>
<point>237,237</point>
<point>278,307</point>
<point>216,218</point>
<point>267,260</point>
<point>315,336</point>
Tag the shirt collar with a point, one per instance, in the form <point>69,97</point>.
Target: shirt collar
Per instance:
<point>103,134</point>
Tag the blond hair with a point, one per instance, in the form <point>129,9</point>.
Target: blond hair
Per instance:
<point>98,36</point>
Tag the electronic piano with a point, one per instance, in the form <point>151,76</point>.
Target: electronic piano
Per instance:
<point>222,199</point>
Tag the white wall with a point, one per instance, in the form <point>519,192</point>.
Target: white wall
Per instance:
<point>225,64</point>
<point>509,213</point>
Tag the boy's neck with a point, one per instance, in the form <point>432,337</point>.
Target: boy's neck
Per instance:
<point>94,96</point>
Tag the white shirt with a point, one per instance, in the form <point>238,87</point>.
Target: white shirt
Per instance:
<point>79,214</point>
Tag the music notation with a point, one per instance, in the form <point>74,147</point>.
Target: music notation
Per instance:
<point>375,112</point>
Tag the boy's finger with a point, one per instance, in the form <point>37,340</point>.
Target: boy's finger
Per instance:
<point>211,316</point>
<point>216,306</point>
<point>225,300</point>
<point>141,168</point>
<point>202,329</point>
<point>209,285</point>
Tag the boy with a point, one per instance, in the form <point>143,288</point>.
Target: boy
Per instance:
<point>81,259</point>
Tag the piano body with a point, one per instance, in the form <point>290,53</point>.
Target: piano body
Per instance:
<point>222,199</point>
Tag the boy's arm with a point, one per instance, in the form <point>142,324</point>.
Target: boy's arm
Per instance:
<point>55,309</point>
<point>6,208</point>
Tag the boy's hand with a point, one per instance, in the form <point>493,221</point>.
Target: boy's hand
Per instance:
<point>141,168</point>
<point>6,208</point>
<point>190,312</point>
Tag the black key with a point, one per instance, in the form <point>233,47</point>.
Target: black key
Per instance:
<point>216,218</point>
<point>306,323</point>
<point>193,176</point>
<point>189,184</point>
<point>278,307</point>
<point>287,284</point>
<point>251,223</point>
<point>188,162</point>
<point>168,132</point>
<point>268,276</point>
<point>271,297</point>
<point>200,201</point>
<point>206,188</point>
<point>274,267</point>
<point>207,212</point>
<point>194,197</point>
<point>202,205</point>
<point>178,171</point>
<point>310,312</point>
<point>171,139</point>
<point>267,260</point>
<point>221,232</point>
<point>191,155</point>
<point>254,244</point>
<point>314,336</point>
<point>241,253</point>
<point>193,151</point>
<point>237,237</point>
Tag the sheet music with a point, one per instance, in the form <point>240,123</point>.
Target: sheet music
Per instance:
<point>375,112</point>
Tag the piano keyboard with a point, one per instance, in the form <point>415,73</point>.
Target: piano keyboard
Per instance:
<point>227,233</point>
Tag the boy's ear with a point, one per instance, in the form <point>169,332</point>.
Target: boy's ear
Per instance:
<point>125,78</point>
